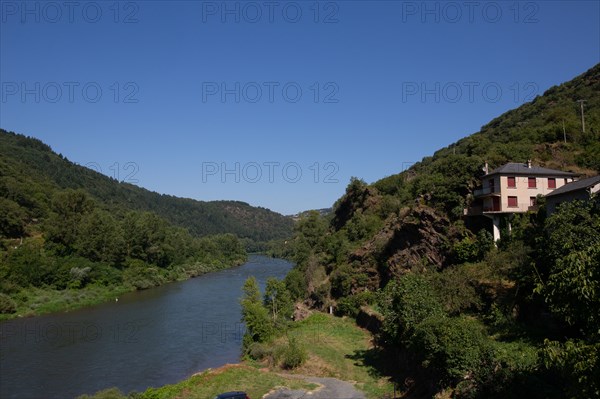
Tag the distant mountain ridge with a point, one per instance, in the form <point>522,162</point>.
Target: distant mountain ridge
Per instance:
<point>35,160</point>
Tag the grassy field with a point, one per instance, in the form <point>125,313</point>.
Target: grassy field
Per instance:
<point>338,348</point>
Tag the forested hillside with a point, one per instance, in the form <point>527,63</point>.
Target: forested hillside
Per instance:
<point>70,236</point>
<point>35,169</point>
<point>458,316</point>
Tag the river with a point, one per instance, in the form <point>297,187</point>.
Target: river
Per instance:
<point>146,338</point>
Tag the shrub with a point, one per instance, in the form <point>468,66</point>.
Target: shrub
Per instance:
<point>295,282</point>
<point>350,305</point>
<point>142,276</point>
<point>456,347</point>
<point>7,305</point>
<point>345,279</point>
<point>456,289</point>
<point>294,355</point>
<point>466,250</point>
<point>578,365</point>
<point>260,351</point>
<point>405,303</point>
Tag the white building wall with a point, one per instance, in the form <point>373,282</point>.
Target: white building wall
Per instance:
<point>524,193</point>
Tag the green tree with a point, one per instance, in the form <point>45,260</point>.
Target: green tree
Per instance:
<point>259,325</point>
<point>12,219</point>
<point>405,303</point>
<point>571,264</point>
<point>278,301</point>
<point>295,282</point>
<point>67,210</point>
<point>100,238</point>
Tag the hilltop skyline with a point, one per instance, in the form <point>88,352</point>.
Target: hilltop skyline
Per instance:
<point>203,102</point>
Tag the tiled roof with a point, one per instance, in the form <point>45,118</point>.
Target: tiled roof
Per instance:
<point>576,185</point>
<point>522,169</point>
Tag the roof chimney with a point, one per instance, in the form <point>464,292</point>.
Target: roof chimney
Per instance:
<point>529,163</point>
<point>486,168</point>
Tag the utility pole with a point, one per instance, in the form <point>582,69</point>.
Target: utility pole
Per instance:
<point>582,118</point>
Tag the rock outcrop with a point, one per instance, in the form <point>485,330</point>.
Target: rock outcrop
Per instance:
<point>415,239</point>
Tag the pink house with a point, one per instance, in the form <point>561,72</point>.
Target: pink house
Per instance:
<point>513,188</point>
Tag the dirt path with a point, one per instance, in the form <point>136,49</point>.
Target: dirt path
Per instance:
<point>329,388</point>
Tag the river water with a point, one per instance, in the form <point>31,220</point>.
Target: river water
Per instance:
<point>146,338</point>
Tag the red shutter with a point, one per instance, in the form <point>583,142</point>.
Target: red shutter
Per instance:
<point>551,182</point>
<point>511,182</point>
<point>532,182</point>
<point>512,202</point>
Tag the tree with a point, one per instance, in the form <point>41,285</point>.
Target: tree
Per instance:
<point>100,238</point>
<point>278,300</point>
<point>62,227</point>
<point>12,219</point>
<point>570,264</point>
<point>259,326</point>
<point>405,303</point>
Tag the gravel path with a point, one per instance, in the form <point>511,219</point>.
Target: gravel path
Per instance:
<point>329,388</point>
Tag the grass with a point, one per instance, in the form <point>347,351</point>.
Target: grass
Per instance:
<point>36,301</point>
<point>208,384</point>
<point>338,348</point>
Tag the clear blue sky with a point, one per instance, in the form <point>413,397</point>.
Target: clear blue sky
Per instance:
<point>189,88</point>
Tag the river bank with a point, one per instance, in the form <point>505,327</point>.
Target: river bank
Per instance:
<point>336,347</point>
<point>149,338</point>
<point>35,301</point>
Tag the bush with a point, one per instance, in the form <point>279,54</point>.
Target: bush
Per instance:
<point>295,282</point>
<point>294,355</point>
<point>455,347</point>
<point>466,250</point>
<point>577,363</point>
<point>142,276</point>
<point>345,279</point>
<point>350,305</point>
<point>260,351</point>
<point>456,289</point>
<point>7,305</point>
<point>405,303</point>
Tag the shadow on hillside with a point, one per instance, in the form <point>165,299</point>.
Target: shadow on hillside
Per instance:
<point>395,367</point>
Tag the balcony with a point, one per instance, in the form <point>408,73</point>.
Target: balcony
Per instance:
<point>478,210</point>
<point>486,191</point>
<point>488,209</point>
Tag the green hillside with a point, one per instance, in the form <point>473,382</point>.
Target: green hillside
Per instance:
<point>70,236</point>
<point>28,161</point>
<point>458,316</point>
<point>533,131</point>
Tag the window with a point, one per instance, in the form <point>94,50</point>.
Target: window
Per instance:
<point>512,202</point>
<point>532,201</point>
<point>566,180</point>
<point>551,182</point>
<point>512,182</point>
<point>532,182</point>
